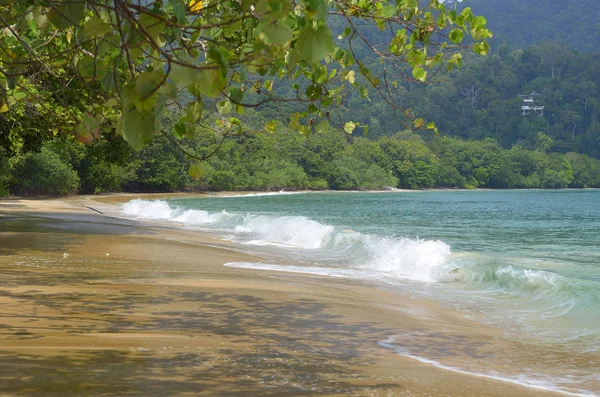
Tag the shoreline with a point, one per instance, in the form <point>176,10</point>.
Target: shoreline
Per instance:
<point>122,196</point>
<point>159,299</point>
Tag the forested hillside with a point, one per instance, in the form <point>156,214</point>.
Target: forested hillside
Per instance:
<point>523,23</point>
<point>484,138</point>
<point>481,99</point>
<point>497,147</point>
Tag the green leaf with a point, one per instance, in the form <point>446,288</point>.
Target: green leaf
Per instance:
<point>96,27</point>
<point>194,111</point>
<point>388,11</point>
<point>456,35</point>
<point>183,76</point>
<point>431,125</point>
<point>178,10</point>
<point>196,171</point>
<point>179,130</point>
<point>139,127</point>
<point>322,127</point>
<point>349,127</point>
<point>270,126</point>
<point>316,8</point>
<point>339,54</point>
<point>350,77</point>
<point>136,127</point>
<point>314,92</point>
<point>479,22</point>
<point>294,121</point>
<point>364,92</point>
<point>91,68</point>
<point>419,74</point>
<point>87,130</point>
<point>224,107</point>
<point>313,45</point>
<point>418,123</point>
<point>211,82</point>
<point>482,48</point>
<point>66,14</point>
<point>153,26</point>
<point>148,82</point>
<point>277,35</point>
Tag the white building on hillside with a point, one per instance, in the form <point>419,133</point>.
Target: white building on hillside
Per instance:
<point>529,105</point>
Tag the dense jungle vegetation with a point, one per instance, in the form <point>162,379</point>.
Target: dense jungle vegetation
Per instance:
<point>484,140</point>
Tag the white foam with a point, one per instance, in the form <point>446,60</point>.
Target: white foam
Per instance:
<point>414,259</point>
<point>293,231</point>
<point>319,271</point>
<point>280,193</point>
<point>200,217</point>
<point>521,380</point>
<point>144,209</point>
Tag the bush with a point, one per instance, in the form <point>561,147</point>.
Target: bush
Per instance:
<point>43,174</point>
<point>4,173</point>
<point>342,178</point>
<point>161,168</point>
<point>102,176</point>
<point>223,180</point>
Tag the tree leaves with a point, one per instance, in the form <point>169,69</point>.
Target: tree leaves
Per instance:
<point>224,107</point>
<point>313,45</point>
<point>419,74</point>
<point>349,127</point>
<point>196,6</point>
<point>95,27</point>
<point>148,82</point>
<point>456,35</point>
<point>278,35</point>
<point>88,129</point>
<point>138,127</point>
<point>350,77</point>
<point>211,82</point>
<point>196,171</point>
<point>182,75</point>
<point>67,13</point>
<point>194,111</point>
<point>190,50</point>
<point>90,68</point>
<point>151,25</point>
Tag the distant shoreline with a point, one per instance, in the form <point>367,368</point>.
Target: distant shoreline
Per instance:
<point>234,193</point>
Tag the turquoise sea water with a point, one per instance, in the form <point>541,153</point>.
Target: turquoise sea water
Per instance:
<point>526,261</point>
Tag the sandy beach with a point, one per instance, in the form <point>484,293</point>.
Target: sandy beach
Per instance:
<point>96,305</point>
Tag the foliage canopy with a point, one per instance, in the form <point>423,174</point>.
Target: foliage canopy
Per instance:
<point>88,67</point>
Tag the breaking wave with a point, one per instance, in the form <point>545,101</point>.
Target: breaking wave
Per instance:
<point>420,260</point>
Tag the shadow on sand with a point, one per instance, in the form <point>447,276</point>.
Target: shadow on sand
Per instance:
<point>271,348</point>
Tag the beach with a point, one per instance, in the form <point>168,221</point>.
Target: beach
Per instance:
<point>92,304</point>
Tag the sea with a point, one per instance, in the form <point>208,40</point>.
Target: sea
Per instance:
<point>524,261</point>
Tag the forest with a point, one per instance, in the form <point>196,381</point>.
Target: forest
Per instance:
<point>482,138</point>
<point>288,160</point>
<point>524,23</point>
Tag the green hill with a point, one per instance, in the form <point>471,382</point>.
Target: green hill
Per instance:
<point>522,23</point>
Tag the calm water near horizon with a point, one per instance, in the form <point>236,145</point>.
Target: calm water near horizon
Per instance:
<point>526,261</point>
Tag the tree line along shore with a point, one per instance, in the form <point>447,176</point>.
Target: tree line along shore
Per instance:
<point>287,160</point>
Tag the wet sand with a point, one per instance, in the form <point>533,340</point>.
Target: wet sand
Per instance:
<point>93,305</point>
